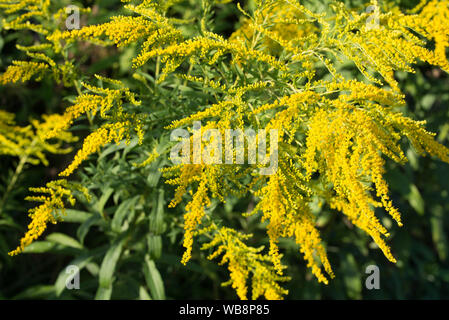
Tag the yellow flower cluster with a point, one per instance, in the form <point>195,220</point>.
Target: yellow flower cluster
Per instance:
<point>348,125</point>
<point>207,83</point>
<point>31,143</point>
<point>277,24</point>
<point>51,209</point>
<point>244,261</point>
<point>102,100</point>
<point>432,21</point>
<point>210,181</point>
<point>288,26</point>
<point>121,30</point>
<point>151,158</point>
<point>42,17</point>
<point>192,217</point>
<point>347,144</point>
<point>27,9</point>
<point>389,47</point>
<point>116,132</point>
<point>151,27</point>
<point>22,71</point>
<point>201,48</point>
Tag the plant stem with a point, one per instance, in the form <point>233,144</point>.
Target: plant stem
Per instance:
<point>23,160</point>
<point>78,90</point>
<point>156,75</point>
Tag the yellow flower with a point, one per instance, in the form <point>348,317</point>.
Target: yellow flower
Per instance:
<point>192,218</point>
<point>31,143</point>
<point>51,209</point>
<point>244,261</point>
<point>109,132</point>
<point>22,71</point>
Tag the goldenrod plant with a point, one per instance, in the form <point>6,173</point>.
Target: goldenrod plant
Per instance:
<point>324,76</point>
<point>30,143</point>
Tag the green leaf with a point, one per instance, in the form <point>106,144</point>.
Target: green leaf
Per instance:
<point>40,247</point>
<point>438,235</point>
<point>443,132</point>
<point>85,227</point>
<point>398,181</point>
<point>122,211</point>
<point>427,101</point>
<point>143,294</point>
<point>157,214</point>
<point>154,175</point>
<point>64,240</point>
<point>415,199</point>
<point>116,147</point>
<point>60,283</point>
<point>99,206</point>
<point>9,223</point>
<point>153,279</point>
<point>93,268</point>
<point>36,292</point>
<point>154,246</point>
<point>351,277</point>
<point>412,157</point>
<point>76,216</point>
<point>107,269</point>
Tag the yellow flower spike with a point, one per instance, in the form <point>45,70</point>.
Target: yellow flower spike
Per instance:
<point>36,16</point>
<point>110,132</point>
<point>31,143</point>
<point>192,218</point>
<point>244,261</point>
<point>51,209</point>
<point>151,158</point>
<point>22,71</point>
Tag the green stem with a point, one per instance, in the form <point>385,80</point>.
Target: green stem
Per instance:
<point>156,76</point>
<point>78,90</point>
<point>23,160</point>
